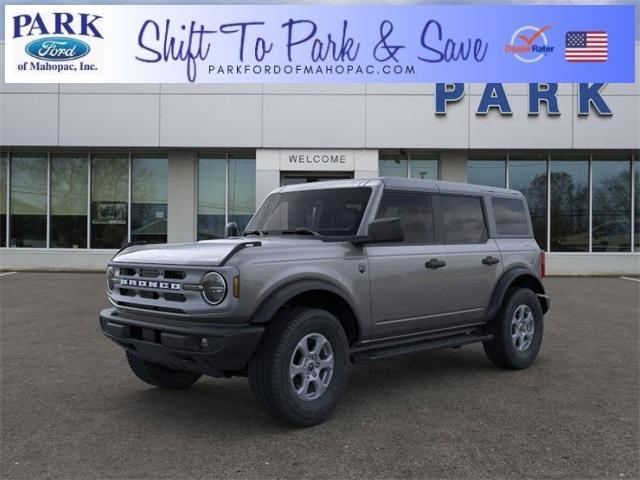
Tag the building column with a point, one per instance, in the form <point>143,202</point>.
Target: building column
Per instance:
<point>453,166</point>
<point>183,202</point>
<point>365,164</point>
<point>267,172</point>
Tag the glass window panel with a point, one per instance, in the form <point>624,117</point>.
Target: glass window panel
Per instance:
<point>68,201</point>
<point>487,170</point>
<point>636,189</point>
<point>109,196</point>
<point>4,161</point>
<point>510,215</point>
<point>569,204</point>
<point>211,197</point>
<point>463,219</point>
<point>529,176</point>
<point>242,191</point>
<point>393,164</point>
<point>415,211</point>
<point>149,195</point>
<point>330,212</point>
<point>611,205</point>
<point>28,201</point>
<point>423,167</point>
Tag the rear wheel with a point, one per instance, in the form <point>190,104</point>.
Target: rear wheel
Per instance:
<point>517,330</point>
<point>159,375</point>
<point>301,366</point>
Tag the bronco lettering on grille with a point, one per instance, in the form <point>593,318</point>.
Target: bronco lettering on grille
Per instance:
<point>130,282</point>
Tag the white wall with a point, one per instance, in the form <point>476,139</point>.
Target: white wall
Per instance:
<point>593,263</point>
<point>59,259</point>
<point>303,116</point>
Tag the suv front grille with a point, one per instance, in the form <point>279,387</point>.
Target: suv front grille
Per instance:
<point>157,288</point>
<point>146,273</point>
<point>174,275</point>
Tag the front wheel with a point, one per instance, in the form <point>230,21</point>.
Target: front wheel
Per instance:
<point>159,375</point>
<point>517,330</point>
<point>301,366</point>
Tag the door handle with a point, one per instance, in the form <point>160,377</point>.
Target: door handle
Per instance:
<point>490,260</point>
<point>435,263</point>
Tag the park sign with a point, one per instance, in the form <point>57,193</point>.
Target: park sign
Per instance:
<point>319,44</point>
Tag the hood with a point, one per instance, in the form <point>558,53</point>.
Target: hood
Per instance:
<point>211,252</point>
<point>207,252</point>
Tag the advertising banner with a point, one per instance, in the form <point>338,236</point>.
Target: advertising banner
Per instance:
<point>327,44</point>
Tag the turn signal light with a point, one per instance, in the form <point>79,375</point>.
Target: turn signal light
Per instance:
<point>236,287</point>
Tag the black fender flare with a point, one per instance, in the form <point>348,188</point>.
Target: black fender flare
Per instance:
<point>281,294</point>
<point>506,280</point>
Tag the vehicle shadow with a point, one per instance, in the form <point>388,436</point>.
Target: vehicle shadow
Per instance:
<point>216,405</point>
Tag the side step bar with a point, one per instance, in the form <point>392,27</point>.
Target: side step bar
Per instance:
<point>380,353</point>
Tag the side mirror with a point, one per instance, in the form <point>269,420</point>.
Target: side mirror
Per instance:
<point>385,230</point>
<point>231,230</point>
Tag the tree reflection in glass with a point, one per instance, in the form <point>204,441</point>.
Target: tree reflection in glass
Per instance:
<point>28,201</point>
<point>242,190</point>
<point>528,174</point>
<point>569,203</point>
<point>611,187</point>
<point>68,201</point>
<point>109,193</point>
<point>149,196</point>
<point>211,197</point>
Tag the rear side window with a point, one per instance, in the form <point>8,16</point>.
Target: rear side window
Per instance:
<point>463,219</point>
<point>510,215</point>
<point>415,211</point>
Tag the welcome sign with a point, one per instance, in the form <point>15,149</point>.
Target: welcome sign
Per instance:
<point>327,44</point>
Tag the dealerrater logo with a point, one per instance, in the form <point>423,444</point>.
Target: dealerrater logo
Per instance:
<point>56,38</point>
<point>529,44</point>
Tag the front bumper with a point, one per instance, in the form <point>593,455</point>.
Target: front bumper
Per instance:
<point>180,345</point>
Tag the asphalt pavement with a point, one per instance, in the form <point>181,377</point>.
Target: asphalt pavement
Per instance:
<point>71,409</point>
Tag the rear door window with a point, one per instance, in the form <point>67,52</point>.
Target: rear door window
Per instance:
<point>463,219</point>
<point>415,211</point>
<point>511,216</point>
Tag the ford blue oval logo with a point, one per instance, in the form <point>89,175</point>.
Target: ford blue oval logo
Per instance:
<point>57,49</point>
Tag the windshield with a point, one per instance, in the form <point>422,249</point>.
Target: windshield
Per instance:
<point>327,212</point>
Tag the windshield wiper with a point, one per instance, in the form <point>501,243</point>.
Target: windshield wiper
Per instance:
<point>255,232</point>
<point>302,231</point>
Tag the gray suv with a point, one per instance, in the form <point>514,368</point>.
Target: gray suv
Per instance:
<point>329,274</point>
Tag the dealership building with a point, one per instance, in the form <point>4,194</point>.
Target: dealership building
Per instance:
<point>84,168</point>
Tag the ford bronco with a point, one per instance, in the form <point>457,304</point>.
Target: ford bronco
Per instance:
<point>330,274</point>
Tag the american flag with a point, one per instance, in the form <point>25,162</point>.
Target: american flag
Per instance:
<point>586,47</point>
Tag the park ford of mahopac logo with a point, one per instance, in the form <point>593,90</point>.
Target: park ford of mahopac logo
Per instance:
<point>57,49</point>
<point>54,38</point>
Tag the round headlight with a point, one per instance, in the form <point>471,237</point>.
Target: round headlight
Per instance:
<point>214,288</point>
<point>111,273</point>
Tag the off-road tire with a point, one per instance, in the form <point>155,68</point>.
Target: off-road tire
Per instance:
<point>501,349</point>
<point>269,376</point>
<point>159,375</point>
